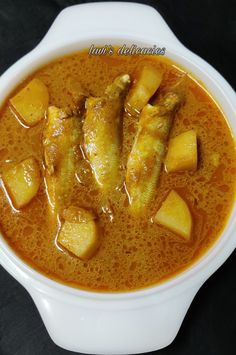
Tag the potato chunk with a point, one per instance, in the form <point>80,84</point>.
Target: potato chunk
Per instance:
<point>31,102</point>
<point>75,214</point>
<point>174,214</point>
<point>182,152</point>
<point>22,182</point>
<point>144,88</point>
<point>79,233</point>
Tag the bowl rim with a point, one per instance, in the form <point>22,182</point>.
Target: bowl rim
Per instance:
<point>193,275</point>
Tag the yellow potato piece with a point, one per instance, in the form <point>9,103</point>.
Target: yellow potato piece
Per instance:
<point>144,88</point>
<point>80,238</point>
<point>174,214</point>
<point>31,102</point>
<point>22,182</point>
<point>75,214</point>
<point>182,152</point>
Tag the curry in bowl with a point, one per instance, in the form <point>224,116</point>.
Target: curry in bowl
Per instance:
<point>116,172</point>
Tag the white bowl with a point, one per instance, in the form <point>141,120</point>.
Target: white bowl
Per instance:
<point>133,322</point>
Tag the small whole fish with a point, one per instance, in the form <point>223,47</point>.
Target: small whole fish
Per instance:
<point>60,141</point>
<point>102,133</point>
<point>148,151</point>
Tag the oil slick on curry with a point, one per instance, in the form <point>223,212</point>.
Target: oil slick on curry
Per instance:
<point>116,172</point>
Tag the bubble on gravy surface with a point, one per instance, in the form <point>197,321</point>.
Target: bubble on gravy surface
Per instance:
<point>134,252</point>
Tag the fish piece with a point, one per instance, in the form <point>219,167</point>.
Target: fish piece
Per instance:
<point>60,142</point>
<point>147,83</point>
<point>145,160</point>
<point>102,133</point>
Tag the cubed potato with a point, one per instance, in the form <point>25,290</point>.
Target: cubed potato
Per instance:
<point>175,215</point>
<point>22,182</point>
<point>182,152</point>
<point>75,214</point>
<point>79,233</point>
<point>144,88</point>
<point>31,102</point>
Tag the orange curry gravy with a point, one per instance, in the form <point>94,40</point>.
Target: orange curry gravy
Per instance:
<point>134,252</point>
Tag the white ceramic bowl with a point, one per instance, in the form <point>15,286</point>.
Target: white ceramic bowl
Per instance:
<point>121,323</point>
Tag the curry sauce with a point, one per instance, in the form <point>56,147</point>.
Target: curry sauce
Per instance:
<point>134,251</point>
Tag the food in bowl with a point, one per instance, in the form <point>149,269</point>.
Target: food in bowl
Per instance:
<point>116,172</point>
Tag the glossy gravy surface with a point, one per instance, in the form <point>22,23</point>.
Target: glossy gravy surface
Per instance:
<point>134,252</point>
